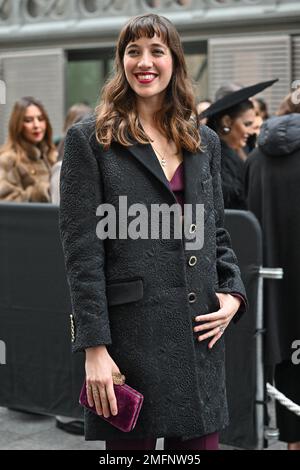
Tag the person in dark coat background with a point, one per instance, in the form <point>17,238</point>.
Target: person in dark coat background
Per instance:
<point>232,117</point>
<point>273,191</point>
<point>154,309</point>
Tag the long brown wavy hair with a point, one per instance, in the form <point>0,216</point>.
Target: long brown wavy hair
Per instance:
<point>117,117</point>
<point>16,142</point>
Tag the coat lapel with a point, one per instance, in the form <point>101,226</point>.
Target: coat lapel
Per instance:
<point>193,170</point>
<point>146,156</point>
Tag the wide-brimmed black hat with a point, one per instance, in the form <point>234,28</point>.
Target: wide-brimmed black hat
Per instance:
<point>236,97</point>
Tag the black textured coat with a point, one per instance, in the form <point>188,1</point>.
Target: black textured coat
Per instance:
<point>273,189</point>
<point>132,295</point>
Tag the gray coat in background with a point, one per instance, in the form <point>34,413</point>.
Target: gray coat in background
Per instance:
<point>140,297</point>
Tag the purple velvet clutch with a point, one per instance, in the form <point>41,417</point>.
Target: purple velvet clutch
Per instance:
<point>129,403</point>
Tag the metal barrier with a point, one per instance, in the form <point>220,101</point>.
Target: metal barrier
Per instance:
<point>41,375</point>
<point>246,238</point>
<point>241,338</point>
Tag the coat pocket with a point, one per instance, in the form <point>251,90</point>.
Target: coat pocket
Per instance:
<point>124,292</point>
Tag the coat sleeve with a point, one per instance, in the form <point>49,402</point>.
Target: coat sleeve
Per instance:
<point>229,275</point>
<point>80,195</point>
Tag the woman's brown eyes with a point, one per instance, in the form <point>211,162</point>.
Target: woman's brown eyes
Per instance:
<point>155,51</point>
<point>30,120</point>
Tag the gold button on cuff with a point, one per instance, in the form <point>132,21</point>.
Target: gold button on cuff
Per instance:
<point>192,261</point>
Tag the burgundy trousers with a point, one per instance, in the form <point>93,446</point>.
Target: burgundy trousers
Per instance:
<point>208,442</point>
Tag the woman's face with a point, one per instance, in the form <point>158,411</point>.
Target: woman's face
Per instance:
<point>241,128</point>
<point>148,66</point>
<point>34,125</point>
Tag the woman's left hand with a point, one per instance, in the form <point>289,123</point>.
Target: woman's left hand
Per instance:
<point>218,321</point>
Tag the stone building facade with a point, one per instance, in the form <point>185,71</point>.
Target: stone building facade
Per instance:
<point>61,50</point>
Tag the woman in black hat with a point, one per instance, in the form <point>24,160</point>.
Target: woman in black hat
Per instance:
<point>232,118</point>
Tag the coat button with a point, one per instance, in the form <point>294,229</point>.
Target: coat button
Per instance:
<point>193,228</point>
<point>192,261</point>
<point>192,297</point>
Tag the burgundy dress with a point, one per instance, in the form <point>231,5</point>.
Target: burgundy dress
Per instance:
<point>177,185</point>
<point>208,442</point>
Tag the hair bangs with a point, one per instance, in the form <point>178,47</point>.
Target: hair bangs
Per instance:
<point>148,27</point>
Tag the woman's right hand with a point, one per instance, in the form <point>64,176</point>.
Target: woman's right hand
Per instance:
<point>99,367</point>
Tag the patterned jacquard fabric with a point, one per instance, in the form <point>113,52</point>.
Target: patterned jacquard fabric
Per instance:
<point>134,295</point>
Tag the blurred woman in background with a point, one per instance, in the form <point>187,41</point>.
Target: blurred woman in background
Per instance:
<point>232,118</point>
<point>290,104</point>
<point>201,107</point>
<point>28,155</point>
<point>75,114</point>
<point>258,119</point>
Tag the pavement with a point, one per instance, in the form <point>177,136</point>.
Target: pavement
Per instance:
<point>24,431</point>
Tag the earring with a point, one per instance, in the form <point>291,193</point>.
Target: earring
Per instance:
<point>226,130</point>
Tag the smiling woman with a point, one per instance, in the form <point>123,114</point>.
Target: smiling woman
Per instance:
<point>154,48</point>
<point>153,308</point>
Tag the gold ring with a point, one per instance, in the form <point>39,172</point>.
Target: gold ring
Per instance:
<point>118,378</point>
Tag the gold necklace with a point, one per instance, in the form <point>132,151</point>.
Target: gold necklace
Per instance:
<point>162,159</point>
